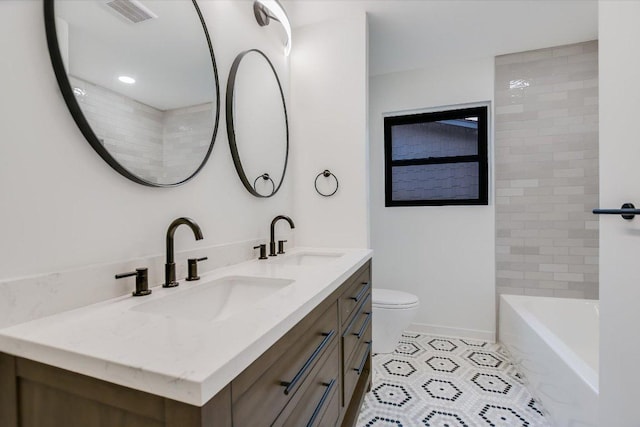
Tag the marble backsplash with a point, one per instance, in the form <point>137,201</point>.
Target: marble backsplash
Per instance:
<point>28,298</point>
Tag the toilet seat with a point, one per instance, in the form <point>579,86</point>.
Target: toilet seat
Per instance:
<point>392,299</point>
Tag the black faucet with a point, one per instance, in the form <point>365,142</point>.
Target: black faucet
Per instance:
<point>142,282</point>
<point>272,242</point>
<point>170,266</point>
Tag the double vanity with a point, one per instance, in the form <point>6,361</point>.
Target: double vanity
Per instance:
<point>283,341</point>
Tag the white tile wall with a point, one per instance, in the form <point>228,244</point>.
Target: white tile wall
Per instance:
<point>187,136</point>
<point>159,146</point>
<point>546,170</point>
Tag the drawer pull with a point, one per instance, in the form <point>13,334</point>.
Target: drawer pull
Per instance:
<point>365,288</point>
<point>363,327</point>
<point>364,359</point>
<point>290,385</point>
<point>355,317</point>
<point>325,395</point>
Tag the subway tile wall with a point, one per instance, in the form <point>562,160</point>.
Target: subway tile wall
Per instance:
<point>158,146</point>
<point>130,131</point>
<point>546,171</point>
<point>187,137</point>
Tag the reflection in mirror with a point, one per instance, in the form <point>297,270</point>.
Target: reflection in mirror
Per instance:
<point>257,123</point>
<point>140,80</point>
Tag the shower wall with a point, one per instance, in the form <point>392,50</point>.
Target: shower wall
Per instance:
<point>157,145</point>
<point>546,171</point>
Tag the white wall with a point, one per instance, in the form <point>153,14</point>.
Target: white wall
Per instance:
<point>619,33</point>
<point>445,255</point>
<point>328,131</point>
<point>64,207</point>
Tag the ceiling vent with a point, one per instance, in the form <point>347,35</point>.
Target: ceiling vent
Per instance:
<point>132,10</point>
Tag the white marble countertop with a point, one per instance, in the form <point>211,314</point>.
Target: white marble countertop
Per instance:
<point>175,357</point>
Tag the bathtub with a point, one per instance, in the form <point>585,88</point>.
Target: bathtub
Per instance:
<point>554,342</point>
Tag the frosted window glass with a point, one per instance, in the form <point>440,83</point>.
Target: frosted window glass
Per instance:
<point>445,138</point>
<point>437,158</point>
<point>450,181</point>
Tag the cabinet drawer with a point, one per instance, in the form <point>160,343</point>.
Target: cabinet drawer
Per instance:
<point>261,391</point>
<point>319,400</point>
<point>357,366</point>
<point>355,293</point>
<point>358,329</point>
<point>332,413</point>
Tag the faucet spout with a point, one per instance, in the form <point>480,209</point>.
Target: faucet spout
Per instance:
<point>170,266</point>
<point>272,241</point>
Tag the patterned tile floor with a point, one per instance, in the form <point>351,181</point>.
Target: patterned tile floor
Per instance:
<point>447,382</point>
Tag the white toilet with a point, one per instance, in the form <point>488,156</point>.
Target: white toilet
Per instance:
<point>393,312</point>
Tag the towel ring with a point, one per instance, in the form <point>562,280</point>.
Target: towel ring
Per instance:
<point>326,173</point>
<point>266,177</point>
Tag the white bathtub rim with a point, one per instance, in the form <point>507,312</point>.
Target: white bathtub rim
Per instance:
<point>568,356</point>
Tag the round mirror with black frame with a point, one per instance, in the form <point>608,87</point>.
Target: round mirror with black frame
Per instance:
<point>257,123</point>
<point>140,82</point>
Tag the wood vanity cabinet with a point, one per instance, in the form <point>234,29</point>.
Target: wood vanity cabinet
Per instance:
<point>354,307</point>
<point>37,395</point>
<point>315,375</point>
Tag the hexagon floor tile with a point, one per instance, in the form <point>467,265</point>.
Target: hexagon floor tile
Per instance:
<point>434,381</point>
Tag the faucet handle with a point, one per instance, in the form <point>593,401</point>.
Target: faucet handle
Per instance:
<point>281,246</point>
<point>263,251</point>
<point>192,264</point>
<point>142,282</point>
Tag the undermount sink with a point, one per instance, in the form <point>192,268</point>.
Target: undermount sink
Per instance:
<point>215,300</point>
<point>310,258</point>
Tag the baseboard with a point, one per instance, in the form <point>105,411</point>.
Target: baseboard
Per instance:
<point>448,331</point>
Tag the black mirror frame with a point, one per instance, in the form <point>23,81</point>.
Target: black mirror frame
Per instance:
<point>230,125</point>
<point>78,115</point>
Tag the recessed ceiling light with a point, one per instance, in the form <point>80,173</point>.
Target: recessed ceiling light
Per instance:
<point>126,79</point>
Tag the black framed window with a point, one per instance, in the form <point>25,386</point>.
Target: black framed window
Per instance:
<point>437,158</point>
